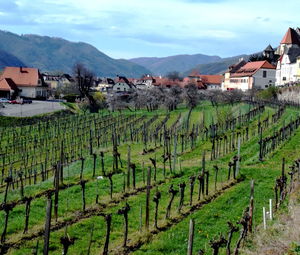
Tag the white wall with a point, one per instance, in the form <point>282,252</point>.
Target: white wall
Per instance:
<point>287,71</point>
<point>33,92</point>
<point>28,92</point>
<point>260,82</point>
<point>242,83</point>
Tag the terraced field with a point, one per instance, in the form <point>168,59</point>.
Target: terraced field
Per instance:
<point>161,169</point>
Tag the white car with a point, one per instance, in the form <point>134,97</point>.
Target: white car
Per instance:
<point>4,100</point>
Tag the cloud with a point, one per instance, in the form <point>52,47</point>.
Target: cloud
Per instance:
<point>160,27</point>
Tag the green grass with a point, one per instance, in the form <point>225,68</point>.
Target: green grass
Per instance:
<point>210,219</point>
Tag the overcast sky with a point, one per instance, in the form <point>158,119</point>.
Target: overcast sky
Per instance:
<point>137,28</point>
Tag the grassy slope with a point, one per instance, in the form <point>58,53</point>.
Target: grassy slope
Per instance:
<point>212,219</point>
<point>229,206</point>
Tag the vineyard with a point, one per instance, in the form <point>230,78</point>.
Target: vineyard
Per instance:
<point>144,182</point>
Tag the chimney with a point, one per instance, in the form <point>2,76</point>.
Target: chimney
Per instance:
<point>21,69</point>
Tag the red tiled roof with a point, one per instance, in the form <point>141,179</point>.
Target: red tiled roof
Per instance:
<point>7,84</point>
<point>251,68</point>
<point>290,37</point>
<point>22,76</point>
<point>211,79</point>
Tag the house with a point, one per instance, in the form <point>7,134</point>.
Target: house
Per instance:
<point>105,85</point>
<point>289,51</point>
<point>122,84</point>
<point>204,81</point>
<point>57,81</point>
<point>212,81</point>
<point>257,74</point>
<point>29,81</point>
<point>232,69</point>
<point>145,82</point>
<point>8,88</point>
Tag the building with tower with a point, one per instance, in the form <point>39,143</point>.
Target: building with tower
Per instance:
<point>289,51</point>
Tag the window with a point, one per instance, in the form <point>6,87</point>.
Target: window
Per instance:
<point>264,74</point>
<point>284,78</point>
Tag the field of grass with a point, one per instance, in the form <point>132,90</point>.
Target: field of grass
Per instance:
<point>225,203</point>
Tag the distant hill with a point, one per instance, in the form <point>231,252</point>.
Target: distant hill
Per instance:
<point>56,54</point>
<point>216,67</point>
<point>7,59</point>
<point>180,63</point>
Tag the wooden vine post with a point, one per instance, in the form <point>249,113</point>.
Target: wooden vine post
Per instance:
<point>251,206</point>
<point>128,167</point>
<point>173,193</point>
<point>82,184</point>
<point>192,183</point>
<point>107,218</point>
<point>181,188</point>
<point>232,230</point>
<point>156,199</point>
<point>47,224</point>
<point>27,213</point>
<point>7,208</point>
<point>124,211</point>
<point>102,162</point>
<point>148,198</point>
<point>94,163</point>
<point>191,237</point>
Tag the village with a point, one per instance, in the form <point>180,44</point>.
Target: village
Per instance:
<point>149,127</point>
<point>274,67</point>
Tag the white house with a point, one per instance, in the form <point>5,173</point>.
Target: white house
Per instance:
<point>257,74</point>
<point>289,51</point>
<point>29,81</point>
<point>123,85</point>
<point>145,82</point>
<point>105,85</point>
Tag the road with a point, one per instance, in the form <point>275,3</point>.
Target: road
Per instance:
<point>28,110</point>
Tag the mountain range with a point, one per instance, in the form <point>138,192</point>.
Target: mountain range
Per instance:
<point>184,64</point>
<point>56,54</point>
<point>180,63</point>
<point>7,59</point>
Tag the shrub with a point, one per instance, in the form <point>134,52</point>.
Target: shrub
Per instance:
<point>269,93</point>
<point>71,98</point>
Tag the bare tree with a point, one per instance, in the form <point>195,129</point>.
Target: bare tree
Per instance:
<point>172,97</point>
<point>233,96</point>
<point>84,81</point>
<point>174,75</point>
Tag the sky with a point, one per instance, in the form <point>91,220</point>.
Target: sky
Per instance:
<point>156,28</point>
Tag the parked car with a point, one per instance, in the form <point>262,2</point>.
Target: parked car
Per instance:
<point>14,102</point>
<point>27,101</point>
<point>4,100</point>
